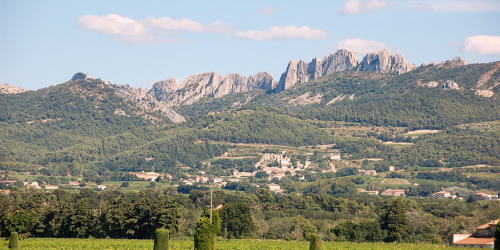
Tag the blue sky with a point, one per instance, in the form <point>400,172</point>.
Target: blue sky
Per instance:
<point>44,43</point>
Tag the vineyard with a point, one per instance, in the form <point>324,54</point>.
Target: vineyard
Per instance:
<point>87,244</point>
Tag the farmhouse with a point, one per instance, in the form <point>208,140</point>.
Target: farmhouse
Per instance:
<point>444,195</point>
<point>483,237</point>
<point>395,192</point>
<point>486,197</point>
<point>150,176</point>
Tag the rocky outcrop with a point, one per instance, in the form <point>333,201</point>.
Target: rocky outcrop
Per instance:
<point>211,84</point>
<point>81,75</point>
<point>456,62</point>
<point>384,62</point>
<point>431,84</point>
<point>449,84</point>
<point>301,72</point>
<point>484,92</point>
<point>146,102</point>
<point>163,89</point>
<point>11,89</point>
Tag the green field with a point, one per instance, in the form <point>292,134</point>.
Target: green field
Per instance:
<point>67,244</point>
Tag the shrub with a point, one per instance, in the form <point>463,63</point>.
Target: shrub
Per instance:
<point>161,239</point>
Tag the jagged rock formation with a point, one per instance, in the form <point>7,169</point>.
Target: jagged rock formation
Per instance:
<point>81,75</point>
<point>211,84</point>
<point>384,62</point>
<point>163,89</point>
<point>146,102</point>
<point>449,84</point>
<point>301,72</point>
<point>11,89</point>
<point>456,62</point>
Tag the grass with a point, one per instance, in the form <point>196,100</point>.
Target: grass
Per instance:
<point>81,244</point>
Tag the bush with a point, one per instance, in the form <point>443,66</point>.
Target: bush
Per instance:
<point>315,242</point>
<point>161,239</point>
<point>14,241</point>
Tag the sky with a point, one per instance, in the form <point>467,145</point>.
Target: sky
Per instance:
<point>43,43</point>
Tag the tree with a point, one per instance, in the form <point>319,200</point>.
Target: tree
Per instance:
<point>82,221</point>
<point>206,232</point>
<point>237,218</point>
<point>497,236</point>
<point>315,242</point>
<point>125,184</point>
<point>394,220</point>
<point>161,239</point>
<point>14,241</point>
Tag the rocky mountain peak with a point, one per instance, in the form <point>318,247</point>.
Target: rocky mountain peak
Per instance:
<point>384,61</point>
<point>301,72</point>
<point>163,89</point>
<point>81,75</point>
<point>11,89</point>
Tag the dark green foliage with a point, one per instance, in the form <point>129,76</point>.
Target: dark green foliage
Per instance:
<point>206,233</point>
<point>266,127</point>
<point>433,239</point>
<point>400,239</point>
<point>410,239</point>
<point>497,236</point>
<point>14,241</point>
<point>161,239</point>
<point>225,233</point>
<point>315,242</point>
<point>363,231</point>
<point>394,221</point>
<point>237,219</point>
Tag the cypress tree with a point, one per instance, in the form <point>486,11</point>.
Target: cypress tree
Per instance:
<point>225,233</point>
<point>497,236</point>
<point>394,221</point>
<point>433,239</point>
<point>400,239</point>
<point>410,239</point>
<point>161,239</point>
<point>14,241</point>
<point>205,234</point>
<point>315,242</point>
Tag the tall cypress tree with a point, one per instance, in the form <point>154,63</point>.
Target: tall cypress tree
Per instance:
<point>497,236</point>
<point>394,220</point>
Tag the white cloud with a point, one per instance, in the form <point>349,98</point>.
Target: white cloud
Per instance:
<point>356,6</point>
<point>459,6</point>
<point>113,24</point>
<point>359,46</point>
<point>267,10</point>
<point>130,30</point>
<point>282,33</point>
<point>484,45</point>
<point>169,24</point>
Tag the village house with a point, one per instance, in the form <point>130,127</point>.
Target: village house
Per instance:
<point>150,176</point>
<point>486,197</point>
<point>51,187</point>
<point>7,191</point>
<point>188,182</point>
<point>360,190</point>
<point>368,172</point>
<point>8,182</point>
<point>216,179</point>
<point>483,237</point>
<point>395,192</point>
<point>273,187</point>
<point>33,184</point>
<point>444,195</point>
<point>73,183</point>
<point>101,187</point>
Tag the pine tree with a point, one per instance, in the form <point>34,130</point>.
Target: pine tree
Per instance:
<point>14,241</point>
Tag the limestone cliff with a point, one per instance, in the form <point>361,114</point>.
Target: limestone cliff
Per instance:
<point>384,62</point>
<point>146,102</point>
<point>163,89</point>
<point>211,84</point>
<point>301,72</point>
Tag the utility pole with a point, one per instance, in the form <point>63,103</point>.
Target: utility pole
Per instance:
<point>210,206</point>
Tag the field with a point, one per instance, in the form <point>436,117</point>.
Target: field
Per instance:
<point>67,244</point>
